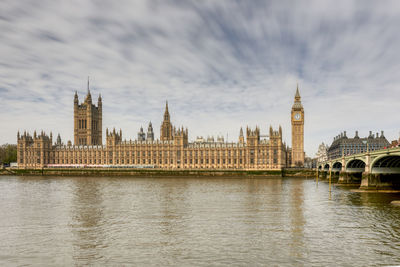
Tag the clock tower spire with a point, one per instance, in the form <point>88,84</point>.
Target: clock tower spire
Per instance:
<point>297,131</point>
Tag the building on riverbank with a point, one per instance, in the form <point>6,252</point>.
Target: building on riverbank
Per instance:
<point>343,145</point>
<point>322,154</point>
<point>173,150</point>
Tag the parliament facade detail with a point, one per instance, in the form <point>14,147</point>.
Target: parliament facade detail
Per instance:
<point>172,151</point>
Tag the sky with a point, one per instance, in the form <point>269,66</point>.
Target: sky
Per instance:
<point>220,64</point>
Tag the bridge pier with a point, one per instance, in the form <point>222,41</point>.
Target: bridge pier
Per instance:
<point>349,178</point>
<point>335,176</point>
<point>379,181</point>
<point>322,175</point>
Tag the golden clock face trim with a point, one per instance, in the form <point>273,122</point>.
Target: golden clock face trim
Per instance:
<point>297,116</point>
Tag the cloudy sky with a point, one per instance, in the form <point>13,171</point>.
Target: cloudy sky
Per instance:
<point>220,64</point>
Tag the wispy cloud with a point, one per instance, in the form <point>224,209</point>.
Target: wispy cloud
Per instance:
<point>220,64</point>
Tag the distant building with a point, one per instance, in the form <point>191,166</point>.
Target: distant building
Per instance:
<point>310,163</point>
<point>322,154</point>
<point>348,146</point>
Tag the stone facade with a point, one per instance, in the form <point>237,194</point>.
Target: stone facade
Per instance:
<point>172,151</point>
<point>342,145</point>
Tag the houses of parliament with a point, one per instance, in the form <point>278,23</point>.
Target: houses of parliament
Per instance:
<point>252,151</point>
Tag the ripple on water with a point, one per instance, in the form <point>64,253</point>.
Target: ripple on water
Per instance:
<point>202,222</point>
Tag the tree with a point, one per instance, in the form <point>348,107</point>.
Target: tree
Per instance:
<point>8,153</point>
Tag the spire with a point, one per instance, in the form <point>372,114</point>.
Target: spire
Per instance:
<point>76,99</point>
<point>241,131</point>
<point>58,142</point>
<point>297,96</point>
<point>89,96</point>
<point>166,113</point>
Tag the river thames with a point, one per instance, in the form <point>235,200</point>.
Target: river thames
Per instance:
<point>194,222</point>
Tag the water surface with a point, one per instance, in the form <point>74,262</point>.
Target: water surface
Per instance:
<point>193,221</point>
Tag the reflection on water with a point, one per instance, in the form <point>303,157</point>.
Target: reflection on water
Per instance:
<point>86,225</point>
<point>297,220</point>
<point>177,221</point>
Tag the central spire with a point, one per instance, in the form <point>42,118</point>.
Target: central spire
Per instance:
<point>166,113</point>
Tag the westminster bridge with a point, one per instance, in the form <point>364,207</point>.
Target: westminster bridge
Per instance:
<point>372,170</point>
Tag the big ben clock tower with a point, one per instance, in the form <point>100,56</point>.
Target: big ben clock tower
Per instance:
<point>297,131</point>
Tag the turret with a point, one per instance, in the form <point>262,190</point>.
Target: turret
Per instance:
<point>99,103</point>
<point>150,133</point>
<point>76,99</point>
<point>141,134</point>
<point>241,137</point>
<point>58,142</point>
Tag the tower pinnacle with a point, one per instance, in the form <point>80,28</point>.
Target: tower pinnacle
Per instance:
<point>166,113</point>
<point>297,96</point>
<point>89,96</point>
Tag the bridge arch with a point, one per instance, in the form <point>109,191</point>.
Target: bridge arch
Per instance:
<point>326,167</point>
<point>387,164</point>
<point>355,165</point>
<point>337,166</point>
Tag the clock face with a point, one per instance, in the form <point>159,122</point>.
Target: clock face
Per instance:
<point>297,116</point>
